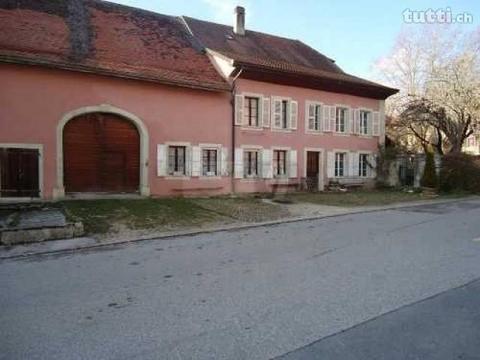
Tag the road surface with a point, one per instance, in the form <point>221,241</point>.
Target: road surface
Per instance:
<point>251,294</point>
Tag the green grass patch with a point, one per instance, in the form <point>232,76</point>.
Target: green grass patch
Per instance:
<point>111,215</point>
<point>361,197</point>
<point>101,216</point>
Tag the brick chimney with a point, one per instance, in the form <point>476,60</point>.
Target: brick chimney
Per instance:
<point>239,21</point>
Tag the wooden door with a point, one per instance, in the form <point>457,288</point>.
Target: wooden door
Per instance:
<point>101,154</point>
<point>19,172</point>
<point>312,170</point>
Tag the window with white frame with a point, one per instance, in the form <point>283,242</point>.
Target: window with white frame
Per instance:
<point>284,123</point>
<point>363,165</point>
<point>250,163</point>
<point>279,163</point>
<point>341,120</point>
<point>176,160</point>
<point>314,116</point>
<point>363,122</point>
<point>252,111</point>
<point>340,164</point>
<point>209,162</point>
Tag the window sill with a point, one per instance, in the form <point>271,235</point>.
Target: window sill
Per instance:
<point>340,134</point>
<point>250,179</point>
<point>177,177</point>
<point>212,177</point>
<point>314,132</point>
<point>252,128</point>
<point>287,131</point>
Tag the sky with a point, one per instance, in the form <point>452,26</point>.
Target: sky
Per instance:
<point>354,33</point>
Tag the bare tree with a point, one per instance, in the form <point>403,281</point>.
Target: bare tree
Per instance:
<point>437,71</point>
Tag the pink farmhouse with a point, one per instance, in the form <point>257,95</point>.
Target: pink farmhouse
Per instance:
<point>97,97</point>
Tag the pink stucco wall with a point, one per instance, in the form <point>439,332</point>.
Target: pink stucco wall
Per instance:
<point>299,139</point>
<point>33,100</point>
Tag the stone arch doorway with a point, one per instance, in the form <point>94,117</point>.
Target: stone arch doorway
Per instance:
<point>101,150</point>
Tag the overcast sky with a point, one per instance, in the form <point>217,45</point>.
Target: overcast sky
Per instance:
<point>354,33</point>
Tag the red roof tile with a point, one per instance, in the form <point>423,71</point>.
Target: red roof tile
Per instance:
<point>105,38</point>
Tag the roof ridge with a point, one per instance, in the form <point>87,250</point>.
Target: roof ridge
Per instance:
<point>246,30</point>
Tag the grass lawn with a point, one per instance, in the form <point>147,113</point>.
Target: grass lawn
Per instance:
<point>115,215</point>
<point>361,197</point>
<point>118,216</point>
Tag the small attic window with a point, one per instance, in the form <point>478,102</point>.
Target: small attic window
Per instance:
<point>229,37</point>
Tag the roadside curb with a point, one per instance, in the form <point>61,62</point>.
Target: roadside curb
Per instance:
<point>236,227</point>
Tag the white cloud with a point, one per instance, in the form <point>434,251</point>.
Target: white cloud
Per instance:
<point>223,9</point>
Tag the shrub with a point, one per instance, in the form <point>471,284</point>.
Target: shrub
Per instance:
<point>460,172</point>
<point>429,178</point>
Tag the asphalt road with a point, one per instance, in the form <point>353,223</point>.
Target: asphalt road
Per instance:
<point>250,294</point>
<point>444,326</point>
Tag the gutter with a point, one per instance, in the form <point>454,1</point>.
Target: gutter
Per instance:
<point>234,88</point>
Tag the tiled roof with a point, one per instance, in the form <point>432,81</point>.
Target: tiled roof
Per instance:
<point>265,52</point>
<point>111,39</point>
<point>259,45</point>
<point>106,38</point>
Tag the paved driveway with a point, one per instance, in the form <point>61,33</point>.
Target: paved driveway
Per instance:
<point>251,294</point>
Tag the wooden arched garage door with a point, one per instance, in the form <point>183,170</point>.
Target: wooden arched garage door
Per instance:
<point>101,153</point>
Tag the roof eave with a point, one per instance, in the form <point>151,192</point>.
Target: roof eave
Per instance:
<point>314,82</point>
<point>107,72</point>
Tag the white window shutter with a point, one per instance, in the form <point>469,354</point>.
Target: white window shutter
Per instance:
<point>188,160</point>
<point>326,118</point>
<point>266,166</point>
<point>292,163</point>
<point>330,164</point>
<point>266,113</point>
<point>196,157</point>
<point>238,166</point>
<point>382,125</point>
<point>308,115</point>
<point>356,121</point>
<point>348,121</point>
<point>376,124</point>
<point>162,160</point>
<point>239,110</point>
<point>293,114</point>
<point>276,113</point>
<point>333,118</point>
<point>372,170</point>
<point>320,119</point>
<point>224,171</point>
<point>353,164</point>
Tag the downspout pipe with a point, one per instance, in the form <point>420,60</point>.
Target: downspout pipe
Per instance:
<point>234,90</point>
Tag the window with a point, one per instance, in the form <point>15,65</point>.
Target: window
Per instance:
<point>209,162</point>
<point>284,114</point>
<point>339,164</point>
<point>340,120</point>
<point>279,163</point>
<point>363,165</point>
<point>316,123</point>
<point>252,111</point>
<point>176,160</point>
<point>250,162</point>
<point>314,117</point>
<point>364,115</point>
